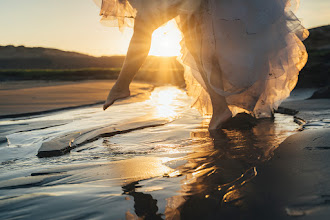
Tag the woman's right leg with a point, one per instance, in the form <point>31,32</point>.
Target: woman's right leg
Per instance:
<point>137,52</point>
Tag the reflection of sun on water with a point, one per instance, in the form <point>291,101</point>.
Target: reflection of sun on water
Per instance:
<point>164,100</point>
<point>166,40</point>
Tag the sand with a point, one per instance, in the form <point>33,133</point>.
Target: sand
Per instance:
<point>295,182</point>
<point>176,169</point>
<point>35,97</point>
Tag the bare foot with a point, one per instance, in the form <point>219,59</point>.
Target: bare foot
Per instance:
<point>219,118</point>
<point>116,93</point>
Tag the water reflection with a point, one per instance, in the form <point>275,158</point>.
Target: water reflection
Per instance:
<point>219,170</point>
<point>145,206</point>
<point>171,171</point>
<point>167,102</point>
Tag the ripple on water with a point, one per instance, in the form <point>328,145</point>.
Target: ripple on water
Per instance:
<point>171,170</point>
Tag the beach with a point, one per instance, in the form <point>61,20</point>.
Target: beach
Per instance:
<point>151,156</point>
<point>35,97</point>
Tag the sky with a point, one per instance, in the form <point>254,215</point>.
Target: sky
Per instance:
<point>73,25</point>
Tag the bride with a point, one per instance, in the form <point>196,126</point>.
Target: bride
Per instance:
<point>239,55</point>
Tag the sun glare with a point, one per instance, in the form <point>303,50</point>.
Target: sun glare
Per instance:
<point>166,40</point>
<point>165,100</point>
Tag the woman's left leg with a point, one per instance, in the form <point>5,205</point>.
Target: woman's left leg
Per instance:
<point>221,112</point>
<point>193,34</point>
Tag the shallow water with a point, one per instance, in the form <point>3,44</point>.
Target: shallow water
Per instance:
<point>176,170</point>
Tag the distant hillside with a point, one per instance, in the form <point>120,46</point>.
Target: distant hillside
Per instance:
<point>316,73</point>
<point>21,57</point>
<point>24,63</point>
<point>37,63</point>
<point>319,38</point>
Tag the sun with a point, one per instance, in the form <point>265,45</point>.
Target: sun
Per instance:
<point>166,40</point>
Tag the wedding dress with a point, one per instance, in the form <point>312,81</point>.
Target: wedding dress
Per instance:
<point>257,45</point>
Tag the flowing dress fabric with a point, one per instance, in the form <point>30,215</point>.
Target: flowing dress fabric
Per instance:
<point>121,13</point>
<point>254,46</point>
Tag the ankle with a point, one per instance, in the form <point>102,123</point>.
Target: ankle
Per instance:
<point>221,109</point>
<point>121,86</point>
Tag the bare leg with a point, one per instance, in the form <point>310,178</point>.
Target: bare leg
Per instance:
<point>193,39</point>
<point>221,112</point>
<point>137,53</point>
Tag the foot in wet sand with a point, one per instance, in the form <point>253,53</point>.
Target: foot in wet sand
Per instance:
<point>116,93</point>
<point>219,118</point>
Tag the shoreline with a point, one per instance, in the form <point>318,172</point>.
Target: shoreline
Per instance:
<point>293,182</point>
<point>43,97</point>
<point>87,93</point>
<point>72,91</point>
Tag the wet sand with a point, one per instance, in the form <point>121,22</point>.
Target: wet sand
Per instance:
<point>34,97</point>
<point>296,181</point>
<point>173,171</point>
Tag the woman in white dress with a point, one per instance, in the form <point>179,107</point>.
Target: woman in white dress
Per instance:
<point>239,55</point>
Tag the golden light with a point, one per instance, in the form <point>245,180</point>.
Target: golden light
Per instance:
<point>138,168</point>
<point>165,102</point>
<point>166,40</point>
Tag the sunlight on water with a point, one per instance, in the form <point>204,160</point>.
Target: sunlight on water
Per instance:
<point>166,102</point>
<point>146,173</point>
<point>25,135</point>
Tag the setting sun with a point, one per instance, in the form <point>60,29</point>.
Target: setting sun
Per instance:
<point>166,40</point>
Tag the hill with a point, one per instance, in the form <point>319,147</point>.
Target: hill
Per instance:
<point>21,57</point>
<point>24,63</point>
<point>316,73</point>
<point>37,63</point>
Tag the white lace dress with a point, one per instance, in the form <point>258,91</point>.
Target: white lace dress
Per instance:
<point>257,44</point>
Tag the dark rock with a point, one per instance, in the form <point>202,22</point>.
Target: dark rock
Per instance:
<point>240,121</point>
<point>286,111</point>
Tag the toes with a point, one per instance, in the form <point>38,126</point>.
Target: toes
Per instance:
<point>106,105</point>
<point>112,98</point>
